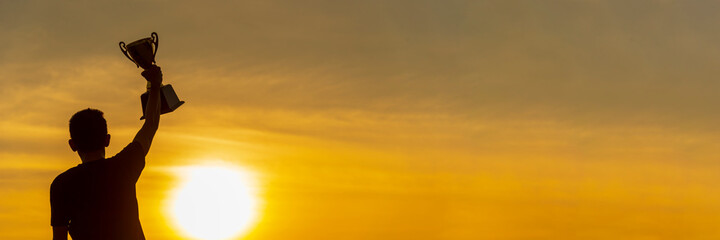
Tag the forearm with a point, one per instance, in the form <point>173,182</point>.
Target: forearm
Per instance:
<point>152,108</point>
<point>152,119</point>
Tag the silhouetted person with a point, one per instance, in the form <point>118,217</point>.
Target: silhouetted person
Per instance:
<point>96,199</point>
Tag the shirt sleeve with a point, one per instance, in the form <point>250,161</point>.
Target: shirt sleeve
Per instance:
<point>131,160</point>
<point>59,215</point>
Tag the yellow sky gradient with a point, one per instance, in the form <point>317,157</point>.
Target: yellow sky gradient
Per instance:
<point>386,119</point>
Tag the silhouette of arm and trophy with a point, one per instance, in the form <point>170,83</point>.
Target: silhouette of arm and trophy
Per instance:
<point>97,198</point>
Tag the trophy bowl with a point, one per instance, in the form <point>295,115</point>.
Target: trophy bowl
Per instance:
<point>142,52</point>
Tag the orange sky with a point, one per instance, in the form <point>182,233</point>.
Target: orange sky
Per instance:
<point>386,119</point>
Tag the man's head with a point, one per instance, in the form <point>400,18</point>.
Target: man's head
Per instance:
<point>88,131</point>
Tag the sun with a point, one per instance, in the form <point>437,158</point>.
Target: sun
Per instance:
<point>213,202</point>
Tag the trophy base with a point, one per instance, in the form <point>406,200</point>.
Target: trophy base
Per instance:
<point>169,100</point>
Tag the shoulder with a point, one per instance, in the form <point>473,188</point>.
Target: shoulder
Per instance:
<point>132,149</point>
<point>129,162</point>
<point>64,175</point>
<point>62,178</point>
<point>134,145</point>
<point>132,152</point>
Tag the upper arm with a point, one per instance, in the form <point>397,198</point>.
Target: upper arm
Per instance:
<point>145,136</point>
<point>58,205</point>
<point>60,233</point>
<point>59,218</point>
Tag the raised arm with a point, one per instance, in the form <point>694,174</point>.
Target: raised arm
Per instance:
<point>152,110</point>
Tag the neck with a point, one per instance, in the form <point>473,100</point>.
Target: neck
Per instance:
<point>92,155</point>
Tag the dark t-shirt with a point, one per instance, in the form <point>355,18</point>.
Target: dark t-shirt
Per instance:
<point>96,199</point>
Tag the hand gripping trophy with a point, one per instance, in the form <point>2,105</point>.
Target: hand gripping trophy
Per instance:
<point>141,52</point>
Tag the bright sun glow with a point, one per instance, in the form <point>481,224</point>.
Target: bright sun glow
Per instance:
<point>214,202</point>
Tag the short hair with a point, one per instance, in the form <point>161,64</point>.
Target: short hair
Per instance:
<point>88,129</point>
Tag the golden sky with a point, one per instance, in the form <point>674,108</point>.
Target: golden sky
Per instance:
<point>386,119</point>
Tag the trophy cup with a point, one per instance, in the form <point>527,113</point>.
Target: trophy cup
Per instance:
<point>142,53</point>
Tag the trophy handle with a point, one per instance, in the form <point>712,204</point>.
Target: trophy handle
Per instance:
<point>156,40</point>
<point>124,50</point>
